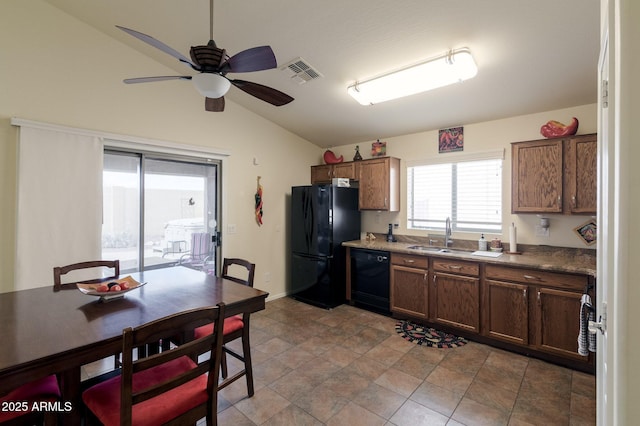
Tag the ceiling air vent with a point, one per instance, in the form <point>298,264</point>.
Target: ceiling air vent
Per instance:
<point>301,71</point>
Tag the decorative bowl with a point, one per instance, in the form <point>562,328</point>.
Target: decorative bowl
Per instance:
<point>105,296</point>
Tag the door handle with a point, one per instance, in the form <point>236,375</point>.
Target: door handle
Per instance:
<point>601,325</point>
<point>594,327</point>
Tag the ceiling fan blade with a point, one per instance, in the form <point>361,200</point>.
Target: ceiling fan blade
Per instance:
<point>254,59</point>
<point>159,78</point>
<point>214,104</point>
<point>159,45</point>
<point>267,94</point>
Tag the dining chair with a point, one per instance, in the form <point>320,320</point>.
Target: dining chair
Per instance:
<point>59,271</point>
<point>17,405</point>
<point>235,327</point>
<point>174,386</point>
<point>92,267</point>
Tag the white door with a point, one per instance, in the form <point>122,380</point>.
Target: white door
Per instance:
<point>606,215</point>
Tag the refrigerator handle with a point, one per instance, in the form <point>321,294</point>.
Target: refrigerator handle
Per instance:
<point>308,217</point>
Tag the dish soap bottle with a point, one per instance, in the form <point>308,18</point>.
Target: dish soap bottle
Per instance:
<point>482,243</point>
<point>390,237</point>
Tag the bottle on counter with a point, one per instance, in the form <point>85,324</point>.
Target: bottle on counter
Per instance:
<point>482,243</point>
<point>390,237</point>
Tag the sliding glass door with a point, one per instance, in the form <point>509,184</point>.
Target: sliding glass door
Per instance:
<point>153,206</point>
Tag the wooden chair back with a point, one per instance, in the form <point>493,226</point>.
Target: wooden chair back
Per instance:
<point>149,333</point>
<point>250,267</point>
<point>59,271</point>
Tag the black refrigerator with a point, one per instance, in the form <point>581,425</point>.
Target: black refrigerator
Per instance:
<point>322,217</point>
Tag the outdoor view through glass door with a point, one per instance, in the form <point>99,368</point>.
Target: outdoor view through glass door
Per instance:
<point>155,208</point>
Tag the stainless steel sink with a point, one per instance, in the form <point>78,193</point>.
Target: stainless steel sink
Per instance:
<point>425,248</point>
<point>436,249</point>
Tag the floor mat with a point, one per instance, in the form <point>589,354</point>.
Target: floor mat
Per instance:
<point>427,336</point>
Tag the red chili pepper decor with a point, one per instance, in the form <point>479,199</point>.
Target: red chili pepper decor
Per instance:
<point>259,203</point>
<point>555,129</point>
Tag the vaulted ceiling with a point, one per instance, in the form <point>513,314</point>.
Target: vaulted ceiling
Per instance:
<point>532,56</point>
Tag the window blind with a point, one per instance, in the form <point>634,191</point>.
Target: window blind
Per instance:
<point>59,203</point>
<point>469,192</point>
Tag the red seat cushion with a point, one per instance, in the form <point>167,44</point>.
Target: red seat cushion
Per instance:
<point>231,324</point>
<point>45,389</point>
<point>103,399</point>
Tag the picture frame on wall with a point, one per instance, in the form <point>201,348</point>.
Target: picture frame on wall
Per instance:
<point>587,232</point>
<point>378,149</point>
<point>451,140</point>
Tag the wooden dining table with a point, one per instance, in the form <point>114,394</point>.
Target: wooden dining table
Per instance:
<point>43,332</point>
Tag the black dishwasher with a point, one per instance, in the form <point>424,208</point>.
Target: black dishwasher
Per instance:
<point>370,280</point>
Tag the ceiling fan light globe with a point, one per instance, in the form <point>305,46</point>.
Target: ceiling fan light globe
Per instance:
<point>211,85</point>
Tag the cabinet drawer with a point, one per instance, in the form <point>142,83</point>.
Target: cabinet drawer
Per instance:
<point>413,261</point>
<point>535,276</point>
<point>456,266</point>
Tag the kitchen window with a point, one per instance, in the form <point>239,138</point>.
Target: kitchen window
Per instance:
<point>469,191</point>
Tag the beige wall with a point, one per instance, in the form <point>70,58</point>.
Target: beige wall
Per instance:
<point>483,137</point>
<point>57,70</point>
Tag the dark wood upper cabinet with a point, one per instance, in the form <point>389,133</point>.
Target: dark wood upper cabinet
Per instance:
<point>554,175</point>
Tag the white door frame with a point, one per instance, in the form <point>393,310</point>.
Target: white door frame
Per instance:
<point>618,387</point>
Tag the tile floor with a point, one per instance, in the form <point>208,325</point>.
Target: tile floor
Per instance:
<point>348,366</point>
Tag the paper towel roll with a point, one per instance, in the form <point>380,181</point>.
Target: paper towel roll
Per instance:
<point>513,244</point>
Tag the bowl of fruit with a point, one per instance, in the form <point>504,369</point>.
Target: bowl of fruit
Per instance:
<point>110,290</point>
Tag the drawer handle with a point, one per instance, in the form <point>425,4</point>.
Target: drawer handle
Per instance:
<point>456,267</point>
<point>409,261</point>
<point>532,277</point>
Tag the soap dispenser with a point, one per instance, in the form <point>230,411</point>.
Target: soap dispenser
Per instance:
<point>482,243</point>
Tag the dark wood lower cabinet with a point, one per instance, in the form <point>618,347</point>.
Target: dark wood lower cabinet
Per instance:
<point>409,291</point>
<point>506,310</point>
<point>410,285</point>
<point>456,301</point>
<point>556,322</point>
<point>526,310</point>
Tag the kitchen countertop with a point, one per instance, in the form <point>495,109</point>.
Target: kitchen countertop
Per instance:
<point>557,259</point>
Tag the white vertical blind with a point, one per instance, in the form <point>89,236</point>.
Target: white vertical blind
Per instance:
<point>469,192</point>
<point>59,203</point>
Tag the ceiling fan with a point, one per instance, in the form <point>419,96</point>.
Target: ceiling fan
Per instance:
<point>213,64</point>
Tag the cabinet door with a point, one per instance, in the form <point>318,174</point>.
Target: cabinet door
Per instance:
<point>344,170</point>
<point>557,322</point>
<point>321,174</point>
<point>380,184</point>
<point>374,185</point>
<point>506,312</point>
<point>456,301</point>
<point>536,176</point>
<point>409,288</point>
<point>581,174</point>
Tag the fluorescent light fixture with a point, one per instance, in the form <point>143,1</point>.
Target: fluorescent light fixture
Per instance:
<point>453,67</point>
<point>211,85</point>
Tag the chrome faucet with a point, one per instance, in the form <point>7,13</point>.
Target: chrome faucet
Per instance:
<point>447,232</point>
